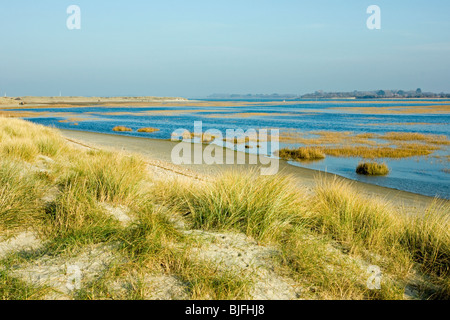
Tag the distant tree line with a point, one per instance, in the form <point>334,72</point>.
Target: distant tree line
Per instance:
<point>377,94</point>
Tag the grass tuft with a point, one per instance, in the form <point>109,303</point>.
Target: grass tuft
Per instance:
<point>15,289</point>
<point>372,169</point>
<point>147,130</point>
<point>122,129</point>
<point>262,207</point>
<point>19,197</point>
<point>303,153</point>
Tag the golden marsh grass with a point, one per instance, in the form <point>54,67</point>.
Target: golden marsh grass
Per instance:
<point>372,169</point>
<point>122,129</point>
<point>147,130</point>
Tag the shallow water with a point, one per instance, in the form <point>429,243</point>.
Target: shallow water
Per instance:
<point>423,175</point>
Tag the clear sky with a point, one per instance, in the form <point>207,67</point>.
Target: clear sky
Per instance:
<point>198,47</point>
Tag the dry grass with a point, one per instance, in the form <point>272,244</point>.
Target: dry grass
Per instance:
<point>414,136</point>
<point>19,196</point>
<point>365,145</point>
<point>261,207</point>
<point>379,152</point>
<point>367,224</point>
<point>122,129</point>
<point>302,154</point>
<point>317,153</point>
<point>372,169</point>
<point>147,130</point>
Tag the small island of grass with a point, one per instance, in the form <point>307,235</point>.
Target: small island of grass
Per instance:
<point>147,130</point>
<point>122,129</point>
<point>372,169</point>
<point>303,153</point>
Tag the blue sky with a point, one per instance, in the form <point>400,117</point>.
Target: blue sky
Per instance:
<point>199,47</point>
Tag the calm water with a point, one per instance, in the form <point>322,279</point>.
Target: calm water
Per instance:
<point>424,175</point>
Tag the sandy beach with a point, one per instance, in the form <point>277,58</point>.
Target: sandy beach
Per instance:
<point>160,150</point>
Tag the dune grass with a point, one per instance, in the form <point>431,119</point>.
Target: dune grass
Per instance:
<point>325,239</point>
<point>14,289</point>
<point>19,194</point>
<point>352,221</point>
<point>74,219</point>
<point>328,273</point>
<point>372,169</point>
<point>371,224</point>
<point>273,210</point>
<point>260,207</point>
<point>22,140</point>
<point>108,177</point>
<point>427,237</point>
<point>153,244</point>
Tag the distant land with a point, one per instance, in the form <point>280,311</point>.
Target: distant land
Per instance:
<point>31,100</point>
<point>377,94</point>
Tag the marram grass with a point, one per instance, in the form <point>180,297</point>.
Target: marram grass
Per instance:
<point>260,206</point>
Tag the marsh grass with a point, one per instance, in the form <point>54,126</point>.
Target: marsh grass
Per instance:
<point>147,130</point>
<point>122,129</point>
<point>366,145</point>
<point>319,152</point>
<point>404,151</point>
<point>415,136</point>
<point>303,153</point>
<point>372,169</point>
